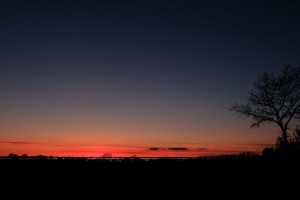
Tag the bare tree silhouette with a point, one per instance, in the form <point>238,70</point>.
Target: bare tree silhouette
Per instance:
<point>275,99</point>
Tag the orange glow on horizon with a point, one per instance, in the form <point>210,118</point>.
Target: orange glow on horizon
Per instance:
<point>33,149</point>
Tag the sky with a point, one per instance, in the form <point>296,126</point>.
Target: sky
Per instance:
<point>148,78</point>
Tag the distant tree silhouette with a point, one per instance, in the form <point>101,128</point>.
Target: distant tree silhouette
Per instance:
<point>275,99</point>
<point>13,156</point>
<point>107,155</point>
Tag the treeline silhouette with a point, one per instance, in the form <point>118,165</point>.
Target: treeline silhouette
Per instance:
<point>106,158</point>
<point>267,153</point>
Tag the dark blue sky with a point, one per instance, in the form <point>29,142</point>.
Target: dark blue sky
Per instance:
<point>172,65</point>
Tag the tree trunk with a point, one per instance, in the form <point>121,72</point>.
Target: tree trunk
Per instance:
<point>285,141</point>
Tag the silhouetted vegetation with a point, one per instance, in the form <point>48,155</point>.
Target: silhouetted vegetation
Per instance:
<point>280,151</point>
<point>275,99</point>
<point>268,153</point>
<point>293,149</point>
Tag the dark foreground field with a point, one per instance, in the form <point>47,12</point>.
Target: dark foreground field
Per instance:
<point>156,179</point>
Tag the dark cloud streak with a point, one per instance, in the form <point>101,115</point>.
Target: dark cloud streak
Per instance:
<point>23,143</point>
<point>176,149</point>
<point>202,149</point>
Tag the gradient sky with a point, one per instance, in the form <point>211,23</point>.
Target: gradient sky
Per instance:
<point>144,78</point>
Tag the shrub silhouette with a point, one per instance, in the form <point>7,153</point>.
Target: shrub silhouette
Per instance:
<point>293,141</point>
<point>268,153</point>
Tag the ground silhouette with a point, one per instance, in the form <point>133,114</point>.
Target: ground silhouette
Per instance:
<point>234,177</point>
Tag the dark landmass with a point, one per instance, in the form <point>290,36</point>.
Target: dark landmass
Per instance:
<point>201,178</point>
